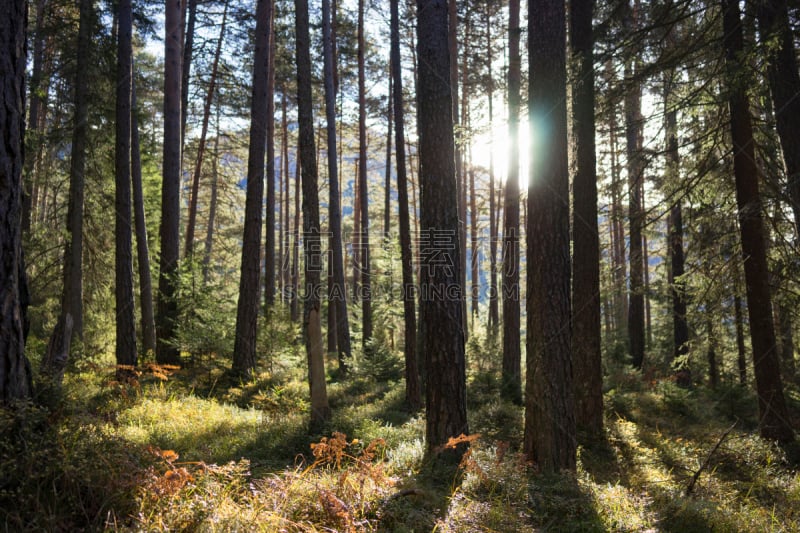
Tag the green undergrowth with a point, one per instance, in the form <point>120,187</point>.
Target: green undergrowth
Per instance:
<point>199,450</point>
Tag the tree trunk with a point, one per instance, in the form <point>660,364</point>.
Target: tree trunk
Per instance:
<point>387,198</point>
<point>549,438</point>
<point>166,324</point>
<point>335,214</point>
<point>452,50</point>
<point>680,328</point>
<point>72,296</point>
<point>365,295</point>
<point>294,311</point>
<point>474,251</point>
<point>493,318</point>
<point>15,370</point>
<point>312,328</point>
<point>34,132</point>
<point>772,407</point>
<point>633,148</point>
<point>244,348</point>
<point>512,373</point>
<point>443,336</point>
<point>269,240</point>
<point>331,324</point>
<point>212,208</point>
<point>285,225</point>
<point>741,357</point>
<point>189,6</point>
<point>413,390</point>
<point>711,353</point>
<point>142,251</point>
<point>587,363</point>
<point>125,319</point>
<point>784,84</point>
<point>198,166</point>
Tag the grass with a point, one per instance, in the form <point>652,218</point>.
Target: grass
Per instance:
<point>200,451</point>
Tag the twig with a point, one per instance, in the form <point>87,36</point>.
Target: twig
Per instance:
<point>696,475</point>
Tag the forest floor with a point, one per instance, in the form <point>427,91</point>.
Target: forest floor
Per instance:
<point>195,450</point>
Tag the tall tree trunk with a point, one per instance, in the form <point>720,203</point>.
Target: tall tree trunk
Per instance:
<point>269,240</point>
<point>772,406</point>
<point>512,373</point>
<point>15,370</point>
<point>366,296</point>
<point>784,84</point>
<point>55,359</point>
<point>587,364</point>
<point>142,251</point>
<point>335,214</point>
<point>36,104</point>
<point>212,208</point>
<point>294,308</point>
<point>125,319</point>
<point>680,327</point>
<point>452,50</point>
<point>493,310</point>
<point>633,148</point>
<point>549,438</point>
<point>198,166</point>
<point>166,322</point>
<point>387,198</point>
<point>474,250</point>
<point>312,328</point>
<point>244,347</point>
<point>618,228</point>
<point>286,225</point>
<point>446,398</point>
<point>331,324</point>
<point>187,42</point>
<point>741,357</point>
<point>413,391</point>
<point>711,352</point>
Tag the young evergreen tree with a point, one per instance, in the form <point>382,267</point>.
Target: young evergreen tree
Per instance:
<point>549,438</point>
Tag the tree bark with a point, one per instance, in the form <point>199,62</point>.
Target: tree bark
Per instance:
<point>784,84</point>
<point>166,322</point>
<point>294,308</point>
<point>774,418</point>
<point>312,328</point>
<point>440,284</point>
<point>635,166</point>
<point>125,319</point>
<point>680,327</point>
<point>493,318</point>
<point>198,166</point>
<point>186,62</point>
<point>142,251</point>
<point>413,389</point>
<point>366,296</point>
<point>512,373</point>
<point>587,363</point>
<point>15,370</point>
<point>269,240</point>
<point>335,214</point>
<point>549,438</point>
<point>212,207</point>
<point>244,348</point>
<point>387,198</point>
